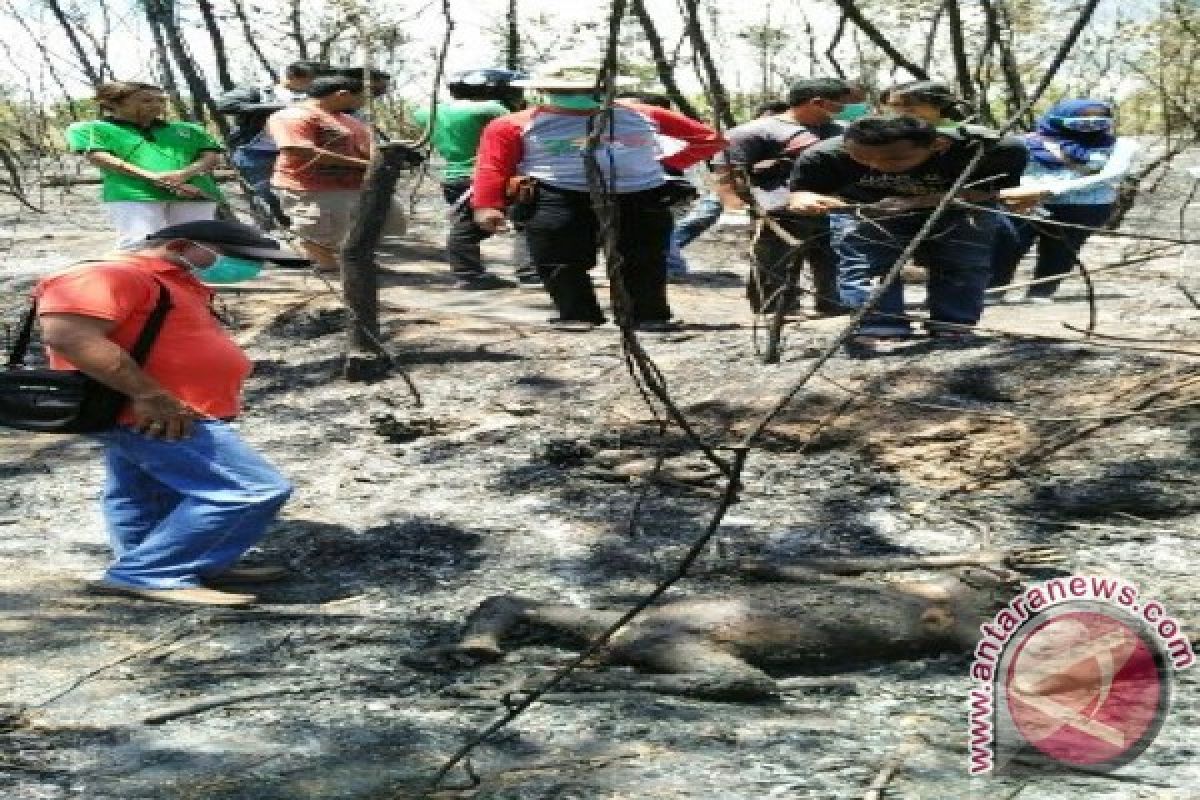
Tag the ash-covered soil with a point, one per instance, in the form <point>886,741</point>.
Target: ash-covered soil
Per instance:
<point>514,476</point>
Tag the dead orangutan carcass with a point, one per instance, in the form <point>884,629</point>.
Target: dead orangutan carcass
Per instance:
<point>723,647</point>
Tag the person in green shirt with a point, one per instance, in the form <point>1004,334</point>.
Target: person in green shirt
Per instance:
<point>156,173</point>
<point>478,97</point>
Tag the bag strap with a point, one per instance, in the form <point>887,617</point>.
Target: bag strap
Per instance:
<point>16,356</point>
<point>139,351</point>
<point>154,323</point>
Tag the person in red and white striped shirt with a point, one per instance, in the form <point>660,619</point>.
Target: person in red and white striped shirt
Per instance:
<point>546,142</point>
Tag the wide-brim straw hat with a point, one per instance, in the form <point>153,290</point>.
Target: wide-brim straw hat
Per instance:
<point>568,76</point>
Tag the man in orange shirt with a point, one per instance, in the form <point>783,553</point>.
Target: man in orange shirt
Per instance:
<point>185,496</point>
<point>324,151</point>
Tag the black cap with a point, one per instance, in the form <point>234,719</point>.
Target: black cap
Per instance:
<point>231,238</point>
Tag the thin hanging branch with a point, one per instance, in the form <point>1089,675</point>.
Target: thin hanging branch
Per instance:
<point>958,48</point>
<point>931,36</point>
<point>297,30</point>
<point>202,102</point>
<point>664,67</point>
<point>239,11</point>
<point>166,71</point>
<point>512,38</point>
<point>93,75</point>
<point>999,33</point>
<point>218,43</point>
<point>831,50</point>
<point>722,113</point>
<point>852,12</point>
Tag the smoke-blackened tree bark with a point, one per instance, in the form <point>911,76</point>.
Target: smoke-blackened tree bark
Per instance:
<point>218,43</point>
<point>865,25</point>
<point>85,63</point>
<point>512,39</point>
<point>239,11</point>
<point>931,36</point>
<point>297,31</point>
<point>958,48</point>
<point>662,64</point>
<point>719,98</point>
<point>166,71</point>
<point>158,13</point>
<point>998,36</point>
<point>834,41</point>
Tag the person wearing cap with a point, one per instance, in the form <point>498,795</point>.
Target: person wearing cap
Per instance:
<point>155,172</point>
<point>478,96</point>
<point>546,143</point>
<point>324,152</point>
<point>765,148</point>
<point>185,497</point>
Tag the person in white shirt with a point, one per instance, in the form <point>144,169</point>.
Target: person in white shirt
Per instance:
<point>1076,164</point>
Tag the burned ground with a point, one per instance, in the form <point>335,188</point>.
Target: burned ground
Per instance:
<point>519,474</point>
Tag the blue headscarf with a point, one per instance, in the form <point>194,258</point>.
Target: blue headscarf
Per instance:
<point>1080,148</point>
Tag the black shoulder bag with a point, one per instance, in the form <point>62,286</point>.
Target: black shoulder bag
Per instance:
<point>67,401</point>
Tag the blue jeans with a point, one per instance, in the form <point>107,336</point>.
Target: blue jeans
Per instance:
<point>1057,247</point>
<point>256,167</point>
<point>179,511</point>
<point>704,215</point>
<point>958,254</point>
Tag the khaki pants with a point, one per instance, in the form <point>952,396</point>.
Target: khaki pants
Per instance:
<point>324,217</point>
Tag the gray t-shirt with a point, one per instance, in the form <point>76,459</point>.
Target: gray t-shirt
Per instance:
<point>771,138</point>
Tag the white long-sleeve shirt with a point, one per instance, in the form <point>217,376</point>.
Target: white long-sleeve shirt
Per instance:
<point>1071,185</point>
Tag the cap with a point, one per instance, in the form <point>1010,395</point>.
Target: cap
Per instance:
<point>567,76</point>
<point>231,238</point>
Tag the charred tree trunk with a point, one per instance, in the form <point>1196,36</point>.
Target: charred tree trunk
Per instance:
<point>868,28</point>
<point>218,43</point>
<point>297,31</point>
<point>165,69</point>
<point>85,63</point>
<point>202,102</point>
<point>831,50</point>
<point>512,39</point>
<point>365,357</point>
<point>719,98</point>
<point>251,41</point>
<point>1008,64</point>
<point>931,36</point>
<point>325,46</point>
<point>665,69</point>
<point>958,48</point>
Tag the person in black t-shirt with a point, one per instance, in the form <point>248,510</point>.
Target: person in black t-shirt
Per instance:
<point>904,166</point>
<point>764,148</point>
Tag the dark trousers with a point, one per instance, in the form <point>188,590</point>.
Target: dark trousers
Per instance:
<point>774,259</point>
<point>563,234</point>
<point>1057,247</point>
<point>464,238</point>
